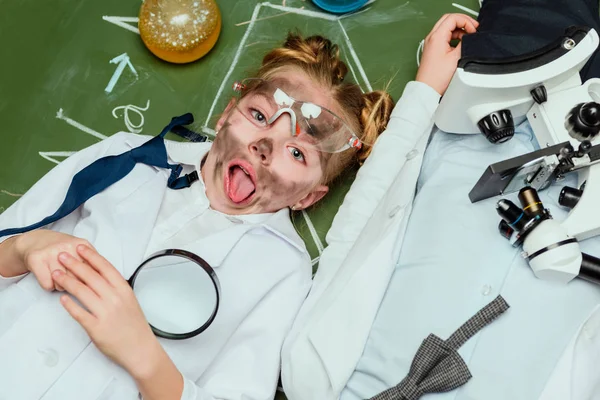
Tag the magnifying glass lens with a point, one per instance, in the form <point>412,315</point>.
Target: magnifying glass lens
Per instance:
<point>179,296</point>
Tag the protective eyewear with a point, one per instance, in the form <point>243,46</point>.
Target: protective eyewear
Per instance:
<point>262,103</point>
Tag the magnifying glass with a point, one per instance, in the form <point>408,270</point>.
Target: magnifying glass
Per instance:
<point>179,293</point>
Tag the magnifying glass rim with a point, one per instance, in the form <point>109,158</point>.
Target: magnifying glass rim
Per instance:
<point>207,268</point>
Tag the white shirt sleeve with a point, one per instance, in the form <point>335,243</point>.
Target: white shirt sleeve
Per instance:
<point>410,125</point>
<point>411,119</point>
<point>47,194</point>
<point>248,366</point>
<point>6,282</point>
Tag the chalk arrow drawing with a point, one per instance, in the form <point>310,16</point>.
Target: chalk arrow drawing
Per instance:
<point>123,22</point>
<point>122,61</point>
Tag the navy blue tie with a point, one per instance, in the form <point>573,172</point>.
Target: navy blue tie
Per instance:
<point>105,171</point>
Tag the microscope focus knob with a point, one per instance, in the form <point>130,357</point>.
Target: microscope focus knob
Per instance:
<point>497,127</point>
<point>584,148</point>
<point>583,121</point>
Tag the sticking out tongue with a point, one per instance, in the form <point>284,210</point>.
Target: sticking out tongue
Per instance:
<point>240,185</point>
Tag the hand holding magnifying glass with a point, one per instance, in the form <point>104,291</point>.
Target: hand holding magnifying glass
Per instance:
<point>172,291</point>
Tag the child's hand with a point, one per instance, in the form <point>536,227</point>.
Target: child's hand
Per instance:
<point>112,316</point>
<point>39,249</point>
<point>440,60</point>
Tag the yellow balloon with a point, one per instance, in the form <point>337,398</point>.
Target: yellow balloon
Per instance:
<point>180,31</point>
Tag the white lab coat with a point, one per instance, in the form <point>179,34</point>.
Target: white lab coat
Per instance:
<point>330,332</point>
<point>263,268</point>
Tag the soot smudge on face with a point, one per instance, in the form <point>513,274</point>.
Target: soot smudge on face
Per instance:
<point>271,188</point>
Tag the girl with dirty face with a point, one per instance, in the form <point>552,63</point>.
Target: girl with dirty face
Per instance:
<point>287,134</point>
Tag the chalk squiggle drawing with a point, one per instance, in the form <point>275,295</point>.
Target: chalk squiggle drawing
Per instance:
<point>136,110</point>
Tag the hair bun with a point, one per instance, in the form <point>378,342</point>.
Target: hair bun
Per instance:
<point>374,118</point>
<point>314,52</point>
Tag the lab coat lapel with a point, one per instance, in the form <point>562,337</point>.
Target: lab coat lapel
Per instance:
<point>575,376</point>
<point>128,221</point>
<point>215,247</point>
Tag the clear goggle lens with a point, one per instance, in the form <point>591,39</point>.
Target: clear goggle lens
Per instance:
<point>263,103</point>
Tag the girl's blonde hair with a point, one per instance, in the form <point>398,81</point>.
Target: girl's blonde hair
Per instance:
<point>367,113</point>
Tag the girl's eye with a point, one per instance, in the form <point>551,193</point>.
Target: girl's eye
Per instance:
<point>297,154</point>
<point>258,116</point>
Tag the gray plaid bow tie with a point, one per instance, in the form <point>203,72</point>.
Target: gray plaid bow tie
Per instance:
<point>437,366</point>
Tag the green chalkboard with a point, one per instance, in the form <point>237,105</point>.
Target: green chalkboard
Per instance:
<point>55,66</point>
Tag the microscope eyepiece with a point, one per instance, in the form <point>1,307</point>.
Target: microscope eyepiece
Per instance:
<point>569,197</point>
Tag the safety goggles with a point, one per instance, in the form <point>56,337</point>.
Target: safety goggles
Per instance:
<point>262,102</point>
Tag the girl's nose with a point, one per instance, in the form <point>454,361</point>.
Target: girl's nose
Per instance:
<point>262,149</point>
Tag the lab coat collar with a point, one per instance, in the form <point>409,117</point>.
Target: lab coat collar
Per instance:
<point>278,223</point>
<point>187,152</point>
<point>281,225</point>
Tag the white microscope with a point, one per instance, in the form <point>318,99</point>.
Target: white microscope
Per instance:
<point>491,96</point>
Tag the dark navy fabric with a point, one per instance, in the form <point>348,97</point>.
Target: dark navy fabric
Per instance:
<point>106,171</point>
<point>509,28</point>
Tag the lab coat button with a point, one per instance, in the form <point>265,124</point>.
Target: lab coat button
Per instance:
<point>486,290</point>
<point>394,211</point>
<point>50,357</point>
<point>412,154</point>
<point>588,333</point>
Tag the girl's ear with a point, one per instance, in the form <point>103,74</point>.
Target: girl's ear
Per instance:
<point>224,115</point>
<point>315,195</point>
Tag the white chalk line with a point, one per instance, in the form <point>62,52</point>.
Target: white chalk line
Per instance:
<point>301,11</point>
<point>466,9</point>
<point>49,155</point>
<point>60,115</point>
<point>6,192</point>
<point>355,56</point>
<point>313,232</point>
<point>354,13</point>
<point>121,21</point>
<point>234,62</point>
<point>264,18</point>
<point>349,64</point>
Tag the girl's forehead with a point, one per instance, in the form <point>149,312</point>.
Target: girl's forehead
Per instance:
<point>300,86</point>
